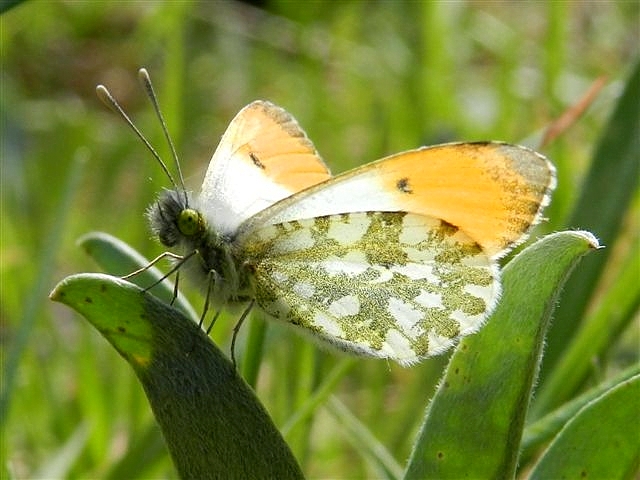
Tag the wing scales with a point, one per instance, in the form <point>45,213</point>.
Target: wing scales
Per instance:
<point>263,157</point>
<point>403,286</point>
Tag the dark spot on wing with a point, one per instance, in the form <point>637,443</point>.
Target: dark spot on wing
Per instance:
<point>403,185</point>
<point>449,228</point>
<point>256,161</point>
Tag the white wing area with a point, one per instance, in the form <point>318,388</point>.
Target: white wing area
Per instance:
<point>263,157</point>
<point>234,191</point>
<point>361,193</point>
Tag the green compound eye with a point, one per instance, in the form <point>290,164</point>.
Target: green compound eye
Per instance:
<point>189,222</point>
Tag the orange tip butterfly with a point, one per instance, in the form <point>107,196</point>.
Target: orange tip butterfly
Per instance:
<point>395,259</point>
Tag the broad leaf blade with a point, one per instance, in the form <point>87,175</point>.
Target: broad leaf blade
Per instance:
<point>118,258</point>
<point>616,310</point>
<point>601,441</point>
<point>212,422</point>
<point>538,434</point>
<point>474,423</point>
<point>604,200</point>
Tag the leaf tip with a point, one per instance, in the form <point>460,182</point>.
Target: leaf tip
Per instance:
<point>56,295</point>
<point>590,238</point>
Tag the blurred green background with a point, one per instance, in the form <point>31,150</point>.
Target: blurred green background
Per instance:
<point>363,79</point>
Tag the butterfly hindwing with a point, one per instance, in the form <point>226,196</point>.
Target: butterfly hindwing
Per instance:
<point>386,284</point>
<point>264,156</point>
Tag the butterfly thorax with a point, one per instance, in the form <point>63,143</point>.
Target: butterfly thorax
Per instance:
<point>212,263</point>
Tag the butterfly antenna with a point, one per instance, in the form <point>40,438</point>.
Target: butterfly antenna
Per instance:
<point>111,102</point>
<point>145,79</point>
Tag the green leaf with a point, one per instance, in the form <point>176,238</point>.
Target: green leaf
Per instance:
<point>8,4</point>
<point>595,336</point>
<point>212,422</point>
<point>118,258</point>
<point>474,423</point>
<point>542,431</point>
<point>604,200</point>
<point>601,441</point>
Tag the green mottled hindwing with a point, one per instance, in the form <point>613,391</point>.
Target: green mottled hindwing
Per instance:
<point>387,284</point>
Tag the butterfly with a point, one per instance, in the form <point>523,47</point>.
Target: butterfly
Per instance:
<point>395,259</point>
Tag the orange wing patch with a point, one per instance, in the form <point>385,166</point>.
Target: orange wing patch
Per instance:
<point>492,191</point>
<point>269,138</point>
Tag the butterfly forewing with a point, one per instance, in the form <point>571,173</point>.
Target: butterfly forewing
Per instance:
<point>492,191</point>
<point>264,156</point>
<point>387,284</point>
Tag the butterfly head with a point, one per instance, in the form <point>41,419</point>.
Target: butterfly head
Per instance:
<point>173,221</point>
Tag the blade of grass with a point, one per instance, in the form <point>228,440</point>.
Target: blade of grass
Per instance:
<point>303,384</point>
<point>253,350</point>
<point>319,396</point>
<point>64,459</point>
<point>364,442</point>
<point>32,303</point>
<point>173,29</point>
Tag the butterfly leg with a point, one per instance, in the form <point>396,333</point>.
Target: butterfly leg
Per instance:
<point>152,263</point>
<point>182,259</point>
<point>175,288</point>
<point>207,299</point>
<point>214,279</point>
<point>236,329</point>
